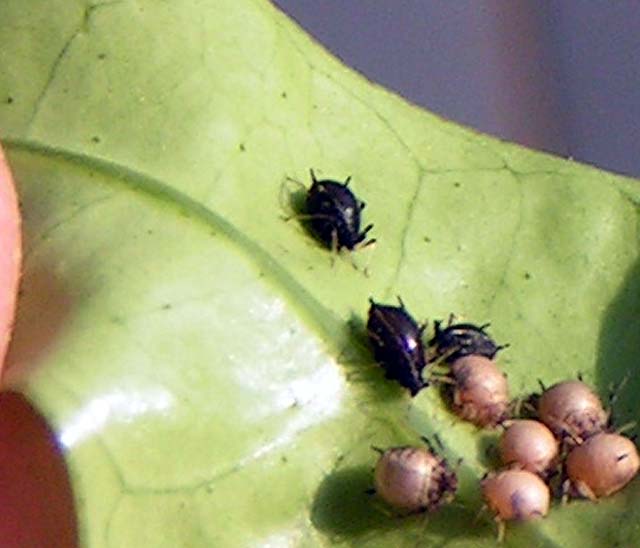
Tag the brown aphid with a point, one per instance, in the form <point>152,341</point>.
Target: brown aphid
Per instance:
<point>414,479</point>
<point>602,465</point>
<point>515,495</point>
<point>480,391</point>
<point>529,445</point>
<point>571,408</point>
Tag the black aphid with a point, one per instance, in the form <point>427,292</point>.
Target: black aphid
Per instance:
<point>334,214</point>
<point>461,339</point>
<point>396,340</point>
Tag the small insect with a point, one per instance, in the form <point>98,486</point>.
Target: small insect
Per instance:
<point>602,465</point>
<point>529,445</point>
<point>414,479</point>
<point>334,214</point>
<point>396,340</point>
<point>462,339</point>
<point>515,495</point>
<point>480,391</point>
<point>572,411</point>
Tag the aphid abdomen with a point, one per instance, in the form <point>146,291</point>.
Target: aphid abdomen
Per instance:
<point>602,465</point>
<point>516,495</point>
<point>464,339</point>
<point>328,222</point>
<point>397,346</point>
<point>480,392</point>
<point>334,214</point>
<point>414,479</point>
<point>571,408</point>
<point>529,445</point>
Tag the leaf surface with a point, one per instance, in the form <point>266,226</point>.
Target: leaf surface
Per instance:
<point>203,360</point>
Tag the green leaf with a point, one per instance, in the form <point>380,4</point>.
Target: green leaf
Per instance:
<point>201,359</point>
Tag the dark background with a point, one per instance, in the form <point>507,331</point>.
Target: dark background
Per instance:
<point>557,76</point>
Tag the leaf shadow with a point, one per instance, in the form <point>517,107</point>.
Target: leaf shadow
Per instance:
<point>488,451</point>
<point>44,307</point>
<point>619,350</point>
<point>342,506</point>
<point>293,196</point>
<point>343,509</point>
<point>296,199</point>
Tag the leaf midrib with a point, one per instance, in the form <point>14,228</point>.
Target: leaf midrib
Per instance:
<point>326,322</point>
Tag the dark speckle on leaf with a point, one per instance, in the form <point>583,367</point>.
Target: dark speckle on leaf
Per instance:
<point>527,276</point>
<point>95,139</point>
<point>283,95</point>
<point>456,184</point>
<point>427,240</point>
<point>9,100</point>
<point>166,306</point>
<point>102,56</point>
<point>242,147</point>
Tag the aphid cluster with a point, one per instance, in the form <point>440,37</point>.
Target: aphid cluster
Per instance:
<point>569,445</point>
<point>569,441</point>
<point>518,492</point>
<point>566,448</point>
<point>597,460</point>
<point>479,391</point>
<point>416,479</point>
